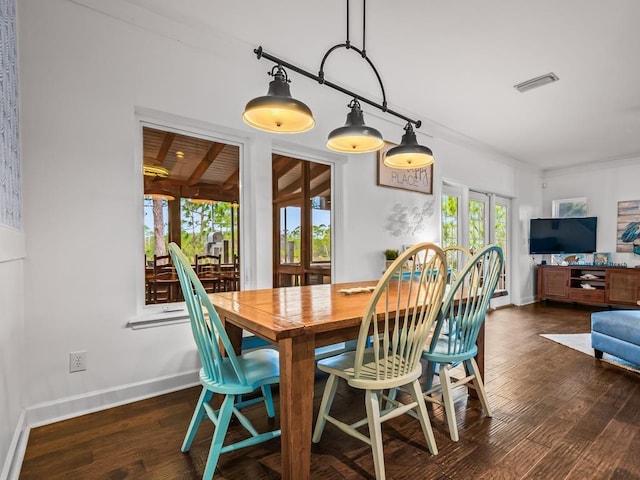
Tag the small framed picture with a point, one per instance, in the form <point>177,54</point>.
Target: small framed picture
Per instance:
<point>601,258</point>
<point>569,259</point>
<point>413,179</point>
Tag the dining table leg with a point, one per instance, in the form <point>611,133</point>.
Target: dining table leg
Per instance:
<point>297,366</point>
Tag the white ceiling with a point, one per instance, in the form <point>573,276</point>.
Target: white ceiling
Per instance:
<point>453,64</point>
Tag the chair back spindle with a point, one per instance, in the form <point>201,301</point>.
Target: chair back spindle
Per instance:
<point>476,283</point>
<point>208,330</point>
<point>400,315</point>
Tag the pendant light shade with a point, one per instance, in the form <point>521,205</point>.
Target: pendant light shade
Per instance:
<point>278,111</point>
<point>155,171</point>
<point>160,196</point>
<point>355,136</point>
<point>409,154</point>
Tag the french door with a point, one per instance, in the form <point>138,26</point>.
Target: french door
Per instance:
<point>476,219</point>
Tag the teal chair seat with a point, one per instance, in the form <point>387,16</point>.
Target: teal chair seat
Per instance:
<point>441,352</point>
<point>260,367</point>
<point>228,376</point>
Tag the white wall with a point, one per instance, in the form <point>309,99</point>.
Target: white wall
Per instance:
<point>12,351</point>
<point>603,184</point>
<point>12,249</point>
<point>84,75</point>
<point>526,205</point>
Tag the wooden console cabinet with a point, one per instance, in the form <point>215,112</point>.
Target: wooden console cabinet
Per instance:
<point>607,285</point>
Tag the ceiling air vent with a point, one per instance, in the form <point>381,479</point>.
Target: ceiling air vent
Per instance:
<point>536,82</point>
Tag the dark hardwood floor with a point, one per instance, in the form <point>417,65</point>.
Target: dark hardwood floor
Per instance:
<point>558,414</point>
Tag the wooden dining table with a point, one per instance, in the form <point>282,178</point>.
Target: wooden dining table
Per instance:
<point>298,320</point>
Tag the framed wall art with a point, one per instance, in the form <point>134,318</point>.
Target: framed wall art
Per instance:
<point>628,234</point>
<point>413,179</point>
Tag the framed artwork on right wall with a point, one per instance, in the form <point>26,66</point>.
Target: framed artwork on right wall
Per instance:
<point>628,234</point>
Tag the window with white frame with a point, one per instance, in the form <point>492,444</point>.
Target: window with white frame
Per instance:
<point>569,207</point>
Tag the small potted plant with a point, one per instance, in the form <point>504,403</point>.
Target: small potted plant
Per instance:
<point>390,255</point>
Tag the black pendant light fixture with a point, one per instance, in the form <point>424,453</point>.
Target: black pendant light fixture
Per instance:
<point>279,112</point>
<point>409,154</point>
<point>355,136</point>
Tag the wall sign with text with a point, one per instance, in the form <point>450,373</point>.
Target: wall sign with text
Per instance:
<point>413,179</point>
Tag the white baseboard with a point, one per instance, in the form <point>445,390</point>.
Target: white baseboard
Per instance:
<point>17,447</point>
<point>527,301</point>
<point>50,412</point>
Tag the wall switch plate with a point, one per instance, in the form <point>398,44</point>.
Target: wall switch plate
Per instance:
<point>77,361</point>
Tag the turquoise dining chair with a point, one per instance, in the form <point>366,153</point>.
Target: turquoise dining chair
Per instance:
<point>394,328</point>
<point>227,376</point>
<point>456,332</point>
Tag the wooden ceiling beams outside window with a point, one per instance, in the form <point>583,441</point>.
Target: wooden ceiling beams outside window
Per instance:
<point>164,149</point>
<point>192,175</point>
<point>291,191</point>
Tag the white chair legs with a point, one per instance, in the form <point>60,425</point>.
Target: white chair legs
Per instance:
<point>375,418</point>
<point>325,406</point>
<point>372,404</point>
<point>423,417</point>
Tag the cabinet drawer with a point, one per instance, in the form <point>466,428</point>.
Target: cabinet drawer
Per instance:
<point>584,295</point>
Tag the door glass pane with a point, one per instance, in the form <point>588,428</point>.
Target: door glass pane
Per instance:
<point>321,231</point>
<point>290,235</point>
<point>449,221</point>
<point>501,240</point>
<point>476,225</point>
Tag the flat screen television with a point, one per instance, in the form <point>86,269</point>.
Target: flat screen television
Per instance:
<point>563,235</point>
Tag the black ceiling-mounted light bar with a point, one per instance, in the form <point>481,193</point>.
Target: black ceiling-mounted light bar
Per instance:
<point>279,112</point>
<point>260,53</point>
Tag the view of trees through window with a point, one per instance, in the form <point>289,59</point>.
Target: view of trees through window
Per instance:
<point>204,226</point>
<point>476,225</point>
<point>290,235</point>
<point>449,220</point>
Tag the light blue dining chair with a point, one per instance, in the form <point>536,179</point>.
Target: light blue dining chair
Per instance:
<point>395,325</point>
<point>456,332</point>
<point>227,376</point>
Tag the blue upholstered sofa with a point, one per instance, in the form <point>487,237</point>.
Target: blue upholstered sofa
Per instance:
<point>616,332</point>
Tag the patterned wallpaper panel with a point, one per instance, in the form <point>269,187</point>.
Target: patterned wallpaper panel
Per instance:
<point>10,191</point>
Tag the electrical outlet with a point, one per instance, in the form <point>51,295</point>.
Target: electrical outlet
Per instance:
<point>77,361</point>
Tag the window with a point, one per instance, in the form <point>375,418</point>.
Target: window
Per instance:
<point>569,207</point>
<point>192,199</point>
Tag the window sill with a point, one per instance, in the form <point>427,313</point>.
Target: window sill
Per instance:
<point>160,315</point>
